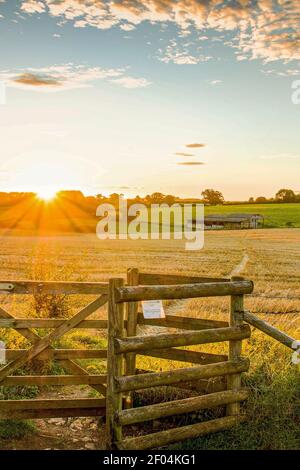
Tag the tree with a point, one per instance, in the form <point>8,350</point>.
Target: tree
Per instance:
<point>285,195</point>
<point>212,197</point>
<point>157,198</point>
<point>71,195</point>
<point>261,200</point>
<point>170,199</point>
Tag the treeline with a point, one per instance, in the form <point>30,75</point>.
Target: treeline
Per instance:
<point>89,204</point>
<point>282,196</point>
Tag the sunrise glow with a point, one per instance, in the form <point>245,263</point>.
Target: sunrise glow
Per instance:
<point>47,193</point>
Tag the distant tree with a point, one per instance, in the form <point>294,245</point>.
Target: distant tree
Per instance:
<point>285,195</point>
<point>212,197</point>
<point>261,200</point>
<point>157,198</point>
<point>169,199</point>
<point>251,200</point>
<point>114,198</point>
<point>71,195</point>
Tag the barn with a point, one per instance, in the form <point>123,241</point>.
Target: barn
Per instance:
<point>233,221</point>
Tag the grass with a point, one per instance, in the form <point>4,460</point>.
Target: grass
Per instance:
<point>273,265</point>
<point>15,429</point>
<point>276,215</point>
<point>273,408</point>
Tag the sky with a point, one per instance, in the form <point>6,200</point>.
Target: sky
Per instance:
<point>142,96</point>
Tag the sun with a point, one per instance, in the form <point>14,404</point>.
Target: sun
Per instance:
<point>47,193</point>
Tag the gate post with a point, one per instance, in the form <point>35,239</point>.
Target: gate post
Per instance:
<point>132,313</point>
<point>235,346</point>
<point>114,363</point>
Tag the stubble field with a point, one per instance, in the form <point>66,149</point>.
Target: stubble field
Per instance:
<point>271,258</point>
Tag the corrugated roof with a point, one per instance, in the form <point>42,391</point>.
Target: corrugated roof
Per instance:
<point>232,217</point>
<point>224,219</point>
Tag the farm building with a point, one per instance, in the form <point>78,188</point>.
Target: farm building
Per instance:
<point>233,221</point>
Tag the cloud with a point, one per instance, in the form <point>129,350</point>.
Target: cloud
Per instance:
<point>33,6</point>
<point>180,54</point>
<point>190,163</point>
<point>68,76</point>
<point>283,73</point>
<point>131,82</point>
<point>127,27</point>
<point>260,29</point>
<point>183,154</point>
<point>215,82</point>
<point>195,146</point>
<point>36,80</point>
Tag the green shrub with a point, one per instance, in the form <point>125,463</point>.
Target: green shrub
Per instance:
<point>16,429</point>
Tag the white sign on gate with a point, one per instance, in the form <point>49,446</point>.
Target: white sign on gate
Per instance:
<point>2,352</point>
<point>153,309</point>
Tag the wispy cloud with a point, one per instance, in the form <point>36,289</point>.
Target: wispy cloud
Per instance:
<point>30,79</point>
<point>190,163</point>
<point>127,27</point>
<point>181,54</point>
<point>215,82</point>
<point>290,72</point>
<point>131,82</point>
<point>262,29</point>
<point>68,76</point>
<point>195,146</point>
<point>184,154</point>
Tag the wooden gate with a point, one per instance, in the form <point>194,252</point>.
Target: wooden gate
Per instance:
<point>123,347</point>
<point>122,379</point>
<point>43,349</point>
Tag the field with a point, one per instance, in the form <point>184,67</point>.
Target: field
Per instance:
<point>271,258</point>
<point>29,220</point>
<point>276,215</point>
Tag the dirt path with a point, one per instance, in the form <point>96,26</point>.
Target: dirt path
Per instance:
<point>62,433</point>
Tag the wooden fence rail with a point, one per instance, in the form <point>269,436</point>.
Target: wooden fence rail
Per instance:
<point>53,287</point>
<point>187,338</point>
<point>171,436</point>
<point>175,376</point>
<point>269,330</point>
<point>31,409</point>
<point>177,407</point>
<point>185,291</point>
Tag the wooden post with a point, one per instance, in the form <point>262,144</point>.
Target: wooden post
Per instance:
<point>114,363</point>
<point>235,347</point>
<point>132,319</point>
